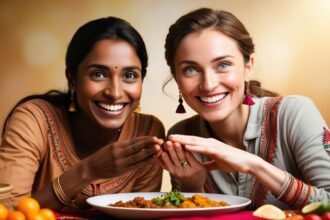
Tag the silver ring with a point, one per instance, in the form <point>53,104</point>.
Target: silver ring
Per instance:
<point>183,163</point>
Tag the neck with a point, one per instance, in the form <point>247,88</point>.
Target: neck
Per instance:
<point>231,130</point>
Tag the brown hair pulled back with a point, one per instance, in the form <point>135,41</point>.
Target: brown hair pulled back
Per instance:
<point>223,21</point>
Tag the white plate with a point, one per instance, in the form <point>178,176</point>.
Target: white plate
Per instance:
<point>102,203</point>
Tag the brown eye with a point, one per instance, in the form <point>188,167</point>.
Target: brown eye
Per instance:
<point>98,75</point>
<point>130,76</point>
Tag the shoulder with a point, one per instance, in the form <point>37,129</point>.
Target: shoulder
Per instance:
<point>148,118</point>
<point>296,101</point>
<point>295,105</point>
<point>33,108</point>
<point>150,124</point>
<point>187,126</point>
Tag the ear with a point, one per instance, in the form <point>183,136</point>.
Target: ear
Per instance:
<point>249,67</point>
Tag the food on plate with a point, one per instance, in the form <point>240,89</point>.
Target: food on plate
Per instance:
<point>269,211</point>
<point>171,200</point>
<point>316,208</point>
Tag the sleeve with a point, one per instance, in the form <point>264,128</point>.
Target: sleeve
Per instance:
<point>21,150</point>
<point>157,128</point>
<point>304,128</point>
<point>150,179</point>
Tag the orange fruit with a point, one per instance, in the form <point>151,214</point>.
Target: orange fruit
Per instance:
<point>3,212</point>
<point>28,206</point>
<point>16,215</point>
<point>47,214</point>
<point>35,216</point>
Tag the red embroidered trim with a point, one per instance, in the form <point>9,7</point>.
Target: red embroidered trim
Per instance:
<point>268,145</point>
<point>326,139</point>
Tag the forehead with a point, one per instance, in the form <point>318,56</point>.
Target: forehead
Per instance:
<point>206,44</point>
<point>113,51</point>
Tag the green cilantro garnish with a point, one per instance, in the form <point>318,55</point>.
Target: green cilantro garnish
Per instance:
<point>170,198</point>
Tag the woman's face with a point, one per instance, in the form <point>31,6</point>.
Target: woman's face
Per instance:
<point>210,72</point>
<point>109,83</point>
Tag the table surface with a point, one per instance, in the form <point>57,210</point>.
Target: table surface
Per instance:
<point>246,215</point>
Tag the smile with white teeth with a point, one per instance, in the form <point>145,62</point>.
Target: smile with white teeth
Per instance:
<point>213,99</point>
<point>112,108</point>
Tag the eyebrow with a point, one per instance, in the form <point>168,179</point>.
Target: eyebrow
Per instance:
<point>104,67</point>
<point>212,61</point>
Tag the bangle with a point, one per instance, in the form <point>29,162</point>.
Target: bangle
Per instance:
<point>284,187</point>
<point>62,197</point>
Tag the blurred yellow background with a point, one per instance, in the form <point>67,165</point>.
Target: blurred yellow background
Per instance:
<point>292,41</point>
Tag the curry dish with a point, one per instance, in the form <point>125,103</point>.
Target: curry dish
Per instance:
<point>171,200</point>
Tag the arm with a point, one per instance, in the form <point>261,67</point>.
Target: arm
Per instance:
<point>24,146</point>
<point>231,159</point>
<point>308,161</point>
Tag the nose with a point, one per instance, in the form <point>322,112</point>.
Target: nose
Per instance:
<point>209,81</point>
<point>113,89</point>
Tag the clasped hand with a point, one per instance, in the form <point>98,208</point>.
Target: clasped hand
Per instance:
<point>119,157</point>
<point>177,158</point>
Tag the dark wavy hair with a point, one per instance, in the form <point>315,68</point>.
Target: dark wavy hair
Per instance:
<point>223,21</point>
<point>79,47</point>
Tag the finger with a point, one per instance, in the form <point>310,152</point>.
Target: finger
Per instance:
<point>167,162</point>
<point>206,150</point>
<point>179,151</point>
<point>157,140</point>
<point>173,155</point>
<point>191,159</point>
<point>187,139</point>
<point>166,145</point>
<point>138,157</point>
<point>137,145</point>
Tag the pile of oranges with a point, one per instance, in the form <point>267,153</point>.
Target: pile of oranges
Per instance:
<point>27,209</point>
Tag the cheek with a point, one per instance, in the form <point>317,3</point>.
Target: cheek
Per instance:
<point>135,92</point>
<point>234,80</point>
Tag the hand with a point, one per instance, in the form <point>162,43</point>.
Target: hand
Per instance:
<point>184,166</point>
<point>225,157</point>
<point>119,157</point>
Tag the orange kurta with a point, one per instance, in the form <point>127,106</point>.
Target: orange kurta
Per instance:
<point>37,147</point>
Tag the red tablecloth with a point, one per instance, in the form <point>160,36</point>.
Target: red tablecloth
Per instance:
<point>246,215</point>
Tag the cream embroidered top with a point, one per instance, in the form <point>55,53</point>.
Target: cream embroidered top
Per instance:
<point>298,150</point>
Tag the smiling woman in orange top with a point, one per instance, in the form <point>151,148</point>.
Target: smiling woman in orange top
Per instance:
<point>62,148</point>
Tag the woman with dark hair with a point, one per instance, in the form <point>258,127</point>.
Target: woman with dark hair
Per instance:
<point>62,148</point>
<point>245,140</point>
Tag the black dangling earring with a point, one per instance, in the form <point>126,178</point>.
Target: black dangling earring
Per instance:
<point>72,107</point>
<point>180,109</point>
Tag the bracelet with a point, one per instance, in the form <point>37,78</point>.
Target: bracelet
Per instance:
<point>62,197</point>
<point>284,187</point>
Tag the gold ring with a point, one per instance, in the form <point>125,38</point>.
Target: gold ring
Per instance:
<point>183,163</point>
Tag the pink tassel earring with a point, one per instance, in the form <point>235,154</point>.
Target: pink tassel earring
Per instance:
<point>180,109</point>
<point>248,99</point>
<point>72,107</point>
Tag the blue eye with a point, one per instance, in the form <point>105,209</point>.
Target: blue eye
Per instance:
<point>223,65</point>
<point>190,70</point>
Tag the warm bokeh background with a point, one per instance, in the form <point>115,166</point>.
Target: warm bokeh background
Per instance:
<point>292,41</point>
